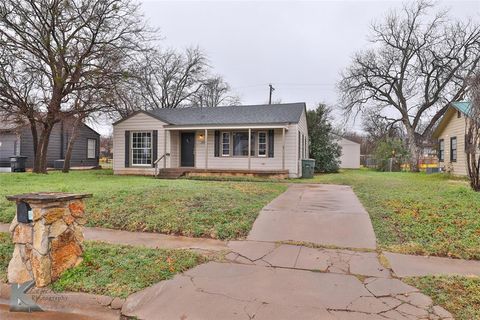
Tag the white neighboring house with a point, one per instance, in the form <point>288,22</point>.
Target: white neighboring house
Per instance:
<point>350,158</point>
<point>263,140</point>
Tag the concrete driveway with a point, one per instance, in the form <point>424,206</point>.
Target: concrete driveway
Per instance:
<point>321,214</point>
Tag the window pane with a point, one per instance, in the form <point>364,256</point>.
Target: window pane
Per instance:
<point>240,144</point>
<point>91,148</point>
<point>225,144</point>
<point>262,143</point>
<point>141,148</point>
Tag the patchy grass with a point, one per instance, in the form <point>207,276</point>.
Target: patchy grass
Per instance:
<point>6,251</point>
<point>459,295</point>
<point>118,271</point>
<point>114,270</point>
<point>216,209</point>
<point>417,213</point>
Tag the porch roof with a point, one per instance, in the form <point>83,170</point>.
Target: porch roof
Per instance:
<point>226,127</point>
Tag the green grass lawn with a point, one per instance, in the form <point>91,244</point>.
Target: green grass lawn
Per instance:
<point>459,295</point>
<point>119,271</point>
<point>6,251</point>
<point>114,270</point>
<point>417,213</point>
<point>216,209</point>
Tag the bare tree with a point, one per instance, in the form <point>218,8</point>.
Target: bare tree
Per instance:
<point>417,66</point>
<point>172,78</point>
<point>214,92</point>
<point>472,134</point>
<point>59,47</point>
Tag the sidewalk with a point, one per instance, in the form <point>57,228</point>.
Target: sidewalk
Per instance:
<point>148,239</point>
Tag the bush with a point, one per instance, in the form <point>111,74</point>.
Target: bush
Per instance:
<point>390,148</point>
<point>323,143</point>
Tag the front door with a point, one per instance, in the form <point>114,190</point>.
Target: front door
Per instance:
<point>187,149</point>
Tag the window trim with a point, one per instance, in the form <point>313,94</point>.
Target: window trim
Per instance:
<point>229,143</point>
<point>265,143</point>
<point>441,152</point>
<point>132,133</point>
<point>94,148</point>
<point>451,149</point>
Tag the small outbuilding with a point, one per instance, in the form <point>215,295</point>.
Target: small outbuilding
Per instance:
<point>350,158</point>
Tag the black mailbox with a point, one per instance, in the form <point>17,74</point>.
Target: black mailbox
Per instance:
<point>23,212</point>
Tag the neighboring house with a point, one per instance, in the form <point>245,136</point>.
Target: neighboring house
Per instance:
<point>450,134</point>
<point>266,140</point>
<point>350,158</point>
<point>17,140</point>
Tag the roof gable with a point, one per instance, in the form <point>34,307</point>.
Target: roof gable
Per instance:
<point>463,107</point>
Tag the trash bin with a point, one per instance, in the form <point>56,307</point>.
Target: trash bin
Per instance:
<point>308,168</point>
<point>17,163</point>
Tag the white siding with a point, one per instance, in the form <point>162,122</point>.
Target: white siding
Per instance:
<point>256,163</point>
<point>350,158</point>
<point>455,127</point>
<point>303,151</point>
<point>139,122</point>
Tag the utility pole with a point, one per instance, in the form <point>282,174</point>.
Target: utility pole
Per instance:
<point>271,91</point>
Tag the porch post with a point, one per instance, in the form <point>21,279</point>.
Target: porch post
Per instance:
<point>165,148</point>
<point>283,148</point>
<point>206,149</point>
<point>249,145</point>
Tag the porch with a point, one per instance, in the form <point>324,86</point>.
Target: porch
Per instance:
<point>222,151</point>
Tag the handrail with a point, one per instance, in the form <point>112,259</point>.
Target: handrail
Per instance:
<point>155,163</point>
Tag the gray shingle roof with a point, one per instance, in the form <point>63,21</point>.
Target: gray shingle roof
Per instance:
<point>252,114</point>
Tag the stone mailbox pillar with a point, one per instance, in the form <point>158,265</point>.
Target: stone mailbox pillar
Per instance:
<point>47,232</point>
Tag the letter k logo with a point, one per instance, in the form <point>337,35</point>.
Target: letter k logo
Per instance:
<point>19,301</point>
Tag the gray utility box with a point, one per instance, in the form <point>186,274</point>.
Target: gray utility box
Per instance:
<point>308,168</point>
<point>17,163</point>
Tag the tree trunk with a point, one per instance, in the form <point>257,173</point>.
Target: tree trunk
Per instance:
<point>413,149</point>
<point>42,149</point>
<point>71,141</point>
<point>33,129</point>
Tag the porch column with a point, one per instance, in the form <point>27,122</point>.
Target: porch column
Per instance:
<point>249,145</point>
<point>206,149</point>
<point>165,148</point>
<point>283,148</point>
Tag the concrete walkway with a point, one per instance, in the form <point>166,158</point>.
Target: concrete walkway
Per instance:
<point>414,266</point>
<point>148,239</point>
<point>265,280</point>
<point>319,214</point>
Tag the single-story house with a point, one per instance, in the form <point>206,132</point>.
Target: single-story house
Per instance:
<point>450,134</point>
<point>350,158</point>
<point>264,140</point>
<point>16,140</point>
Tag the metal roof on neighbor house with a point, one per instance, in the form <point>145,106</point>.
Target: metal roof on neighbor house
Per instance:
<point>252,114</point>
<point>462,106</point>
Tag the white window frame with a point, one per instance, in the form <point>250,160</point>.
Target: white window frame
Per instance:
<point>263,143</point>
<point>94,148</point>
<point>223,143</point>
<point>132,148</point>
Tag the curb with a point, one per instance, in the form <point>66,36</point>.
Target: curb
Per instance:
<point>85,304</point>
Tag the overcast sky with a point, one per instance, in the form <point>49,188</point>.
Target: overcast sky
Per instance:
<point>299,46</point>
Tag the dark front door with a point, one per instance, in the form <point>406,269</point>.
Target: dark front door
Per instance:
<point>188,145</point>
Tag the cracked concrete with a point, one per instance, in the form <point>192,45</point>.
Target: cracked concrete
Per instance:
<point>266,280</point>
<point>246,291</point>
